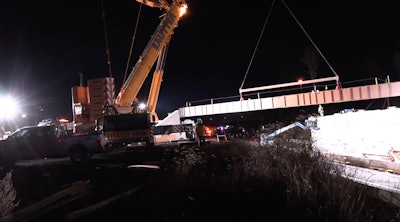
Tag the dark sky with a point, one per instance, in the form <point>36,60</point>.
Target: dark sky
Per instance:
<point>44,45</point>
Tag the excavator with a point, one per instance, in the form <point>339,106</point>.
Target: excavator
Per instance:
<point>123,122</point>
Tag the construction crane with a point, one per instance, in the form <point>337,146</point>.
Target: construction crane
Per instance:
<point>156,48</point>
<point>125,123</point>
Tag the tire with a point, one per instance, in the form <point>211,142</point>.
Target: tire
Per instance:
<point>78,155</point>
<point>150,142</point>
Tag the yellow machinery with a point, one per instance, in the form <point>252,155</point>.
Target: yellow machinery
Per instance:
<point>156,48</point>
<point>126,125</point>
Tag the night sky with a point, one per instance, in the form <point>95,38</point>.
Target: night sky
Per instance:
<point>44,45</point>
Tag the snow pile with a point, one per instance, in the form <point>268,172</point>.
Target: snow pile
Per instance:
<point>360,133</point>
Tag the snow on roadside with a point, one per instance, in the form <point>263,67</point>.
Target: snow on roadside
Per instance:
<point>360,133</point>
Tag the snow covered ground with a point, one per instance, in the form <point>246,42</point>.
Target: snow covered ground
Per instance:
<point>363,134</point>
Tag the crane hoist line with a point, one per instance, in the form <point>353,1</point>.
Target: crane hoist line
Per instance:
<point>336,76</point>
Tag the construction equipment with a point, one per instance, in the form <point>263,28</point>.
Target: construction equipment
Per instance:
<point>155,49</point>
<point>310,123</point>
<point>124,122</point>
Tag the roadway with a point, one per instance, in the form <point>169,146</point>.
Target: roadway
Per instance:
<point>387,184</point>
<point>379,179</point>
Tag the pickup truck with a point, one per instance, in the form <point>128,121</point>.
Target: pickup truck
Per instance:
<point>38,142</point>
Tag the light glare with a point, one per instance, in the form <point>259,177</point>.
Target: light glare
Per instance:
<point>182,10</point>
<point>142,106</point>
<point>9,107</point>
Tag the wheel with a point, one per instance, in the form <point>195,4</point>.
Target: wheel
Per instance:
<point>150,142</point>
<point>77,156</point>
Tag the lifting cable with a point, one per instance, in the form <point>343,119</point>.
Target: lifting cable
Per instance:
<point>258,42</point>
<point>308,36</point>
<point>312,42</point>
<point>133,40</point>
<point>106,39</point>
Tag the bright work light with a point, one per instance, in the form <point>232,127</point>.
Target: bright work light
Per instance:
<point>9,107</point>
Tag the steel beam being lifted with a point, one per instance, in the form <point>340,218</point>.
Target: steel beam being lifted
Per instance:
<point>282,85</point>
<point>339,95</point>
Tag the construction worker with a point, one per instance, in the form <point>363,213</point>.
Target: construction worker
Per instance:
<point>321,110</point>
<point>201,133</point>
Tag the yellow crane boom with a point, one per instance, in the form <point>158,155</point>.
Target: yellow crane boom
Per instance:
<point>158,41</point>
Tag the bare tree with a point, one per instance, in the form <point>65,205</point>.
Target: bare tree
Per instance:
<point>310,63</point>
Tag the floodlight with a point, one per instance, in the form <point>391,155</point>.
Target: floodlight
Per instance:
<point>9,107</point>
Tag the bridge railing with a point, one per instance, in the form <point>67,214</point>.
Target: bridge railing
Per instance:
<point>367,92</point>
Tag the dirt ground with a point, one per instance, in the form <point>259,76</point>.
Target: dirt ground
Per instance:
<point>117,189</point>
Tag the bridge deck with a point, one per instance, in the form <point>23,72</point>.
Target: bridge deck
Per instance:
<point>367,92</point>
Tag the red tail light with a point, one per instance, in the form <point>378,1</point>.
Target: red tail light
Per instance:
<point>208,131</point>
<point>98,141</point>
<point>58,138</point>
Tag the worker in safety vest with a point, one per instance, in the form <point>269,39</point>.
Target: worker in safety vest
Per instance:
<point>321,110</point>
<point>201,133</point>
